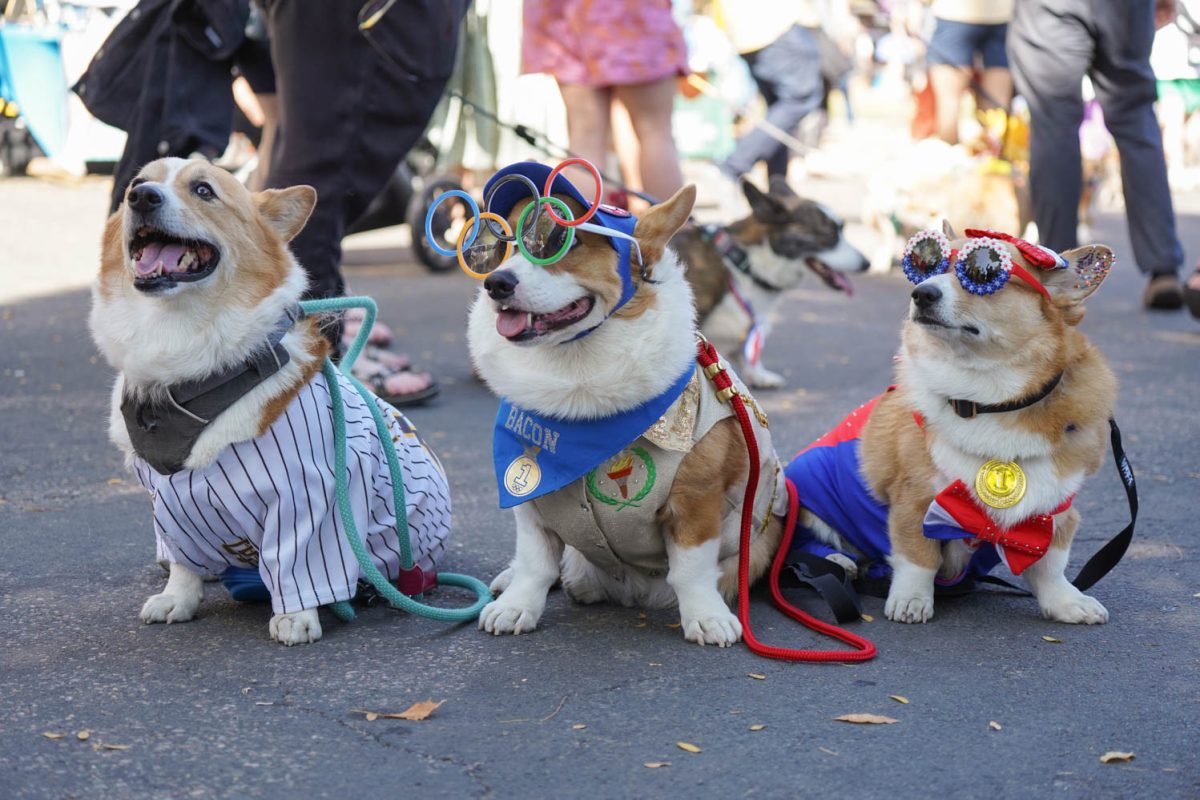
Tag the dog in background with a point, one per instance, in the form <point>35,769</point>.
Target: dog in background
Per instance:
<point>740,274</point>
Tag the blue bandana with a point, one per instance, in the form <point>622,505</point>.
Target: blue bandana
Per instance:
<point>535,454</point>
<point>616,219</point>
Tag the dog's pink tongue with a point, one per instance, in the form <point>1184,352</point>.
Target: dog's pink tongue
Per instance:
<point>511,323</point>
<point>156,252</point>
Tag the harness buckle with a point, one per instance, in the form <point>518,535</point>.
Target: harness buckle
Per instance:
<point>726,394</point>
<point>714,369</point>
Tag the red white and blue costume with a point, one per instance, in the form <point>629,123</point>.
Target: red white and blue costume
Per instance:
<point>829,480</point>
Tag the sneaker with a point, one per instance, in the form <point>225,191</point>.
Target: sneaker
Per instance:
<point>1163,293</point>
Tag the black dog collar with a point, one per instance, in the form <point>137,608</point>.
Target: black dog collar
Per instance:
<point>164,429</point>
<point>734,256</point>
<point>968,409</point>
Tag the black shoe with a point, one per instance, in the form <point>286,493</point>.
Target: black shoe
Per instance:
<point>1163,293</point>
<point>1191,298</point>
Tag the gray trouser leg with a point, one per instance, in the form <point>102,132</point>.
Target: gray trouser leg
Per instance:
<point>1052,44</point>
<point>1126,89</point>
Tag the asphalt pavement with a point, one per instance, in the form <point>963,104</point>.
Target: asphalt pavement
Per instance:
<point>1000,703</point>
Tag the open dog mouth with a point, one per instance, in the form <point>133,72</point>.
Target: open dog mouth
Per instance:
<point>161,260</point>
<point>523,326</point>
<point>832,278</point>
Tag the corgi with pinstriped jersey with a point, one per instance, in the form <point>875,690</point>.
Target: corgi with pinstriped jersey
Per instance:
<point>224,414</point>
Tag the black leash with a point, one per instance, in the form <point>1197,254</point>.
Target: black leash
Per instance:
<point>829,579</point>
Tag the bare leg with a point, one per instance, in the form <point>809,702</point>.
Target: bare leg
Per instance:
<point>949,83</point>
<point>997,82</point>
<point>588,127</point>
<point>650,106</point>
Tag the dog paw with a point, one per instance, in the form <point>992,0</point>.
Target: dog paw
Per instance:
<point>909,607</point>
<point>846,563</point>
<point>720,627</point>
<point>500,617</point>
<point>169,608</point>
<point>1076,608</point>
<point>501,581</point>
<point>300,627</point>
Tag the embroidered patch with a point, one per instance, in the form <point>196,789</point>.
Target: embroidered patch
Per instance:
<point>523,474</point>
<point>243,550</point>
<point>617,482</point>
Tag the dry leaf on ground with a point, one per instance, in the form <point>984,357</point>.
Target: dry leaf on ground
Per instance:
<point>867,618</point>
<point>758,727</point>
<point>98,746</point>
<point>830,752</point>
<point>899,698</point>
<point>1115,756</point>
<point>688,746</point>
<point>83,736</point>
<point>996,726</point>
<point>674,625</point>
<point>758,676</point>
<point>1052,640</point>
<point>866,719</point>
<point>417,711</point>
<point>578,726</point>
<point>50,735</point>
<point>656,764</point>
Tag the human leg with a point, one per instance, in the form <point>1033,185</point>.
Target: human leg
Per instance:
<point>588,127</point>
<point>1049,51</point>
<point>791,65</point>
<point>1126,89</point>
<point>949,84</point>
<point>650,106</point>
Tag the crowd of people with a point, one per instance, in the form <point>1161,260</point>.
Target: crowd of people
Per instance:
<point>337,93</point>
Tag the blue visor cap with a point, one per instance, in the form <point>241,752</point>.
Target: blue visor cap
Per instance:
<point>616,219</point>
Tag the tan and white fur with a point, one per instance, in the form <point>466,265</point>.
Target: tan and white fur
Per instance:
<point>194,329</point>
<point>989,349</point>
<point>632,356</point>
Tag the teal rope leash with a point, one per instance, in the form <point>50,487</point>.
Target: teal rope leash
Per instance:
<point>377,579</point>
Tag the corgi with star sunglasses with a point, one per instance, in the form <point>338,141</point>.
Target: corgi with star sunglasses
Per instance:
<point>983,265</point>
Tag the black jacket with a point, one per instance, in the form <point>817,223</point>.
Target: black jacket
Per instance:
<point>163,76</point>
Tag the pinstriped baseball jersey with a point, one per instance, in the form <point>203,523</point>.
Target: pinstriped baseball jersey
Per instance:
<point>270,502</point>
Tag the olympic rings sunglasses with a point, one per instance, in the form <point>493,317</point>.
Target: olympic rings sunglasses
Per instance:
<point>983,265</point>
<point>545,230</point>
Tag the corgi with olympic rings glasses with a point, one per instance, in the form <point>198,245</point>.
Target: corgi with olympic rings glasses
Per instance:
<point>625,470</point>
<point>971,461</point>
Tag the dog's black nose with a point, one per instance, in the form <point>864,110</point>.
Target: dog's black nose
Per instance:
<point>145,198</point>
<point>926,294</point>
<point>501,284</point>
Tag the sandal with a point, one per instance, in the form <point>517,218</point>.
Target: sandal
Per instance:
<point>1191,293</point>
<point>398,387</point>
<point>380,334</point>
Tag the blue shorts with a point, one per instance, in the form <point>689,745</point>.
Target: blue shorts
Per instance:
<point>956,43</point>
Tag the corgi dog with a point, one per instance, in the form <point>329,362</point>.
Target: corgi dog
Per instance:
<point>971,460</point>
<point>222,409</point>
<point>740,274</point>
<point>624,472</point>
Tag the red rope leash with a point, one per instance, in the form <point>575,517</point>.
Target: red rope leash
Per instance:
<point>708,358</point>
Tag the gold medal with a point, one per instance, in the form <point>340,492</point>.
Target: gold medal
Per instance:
<point>523,475</point>
<point>1000,484</point>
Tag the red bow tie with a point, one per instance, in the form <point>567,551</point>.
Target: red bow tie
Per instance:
<point>1022,544</point>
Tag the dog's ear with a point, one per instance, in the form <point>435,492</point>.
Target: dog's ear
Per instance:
<point>656,227</point>
<point>765,207</point>
<point>286,210</point>
<point>1087,267</point>
<point>779,187</point>
<point>948,230</point>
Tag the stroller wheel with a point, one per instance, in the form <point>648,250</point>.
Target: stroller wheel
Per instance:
<point>445,224</point>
